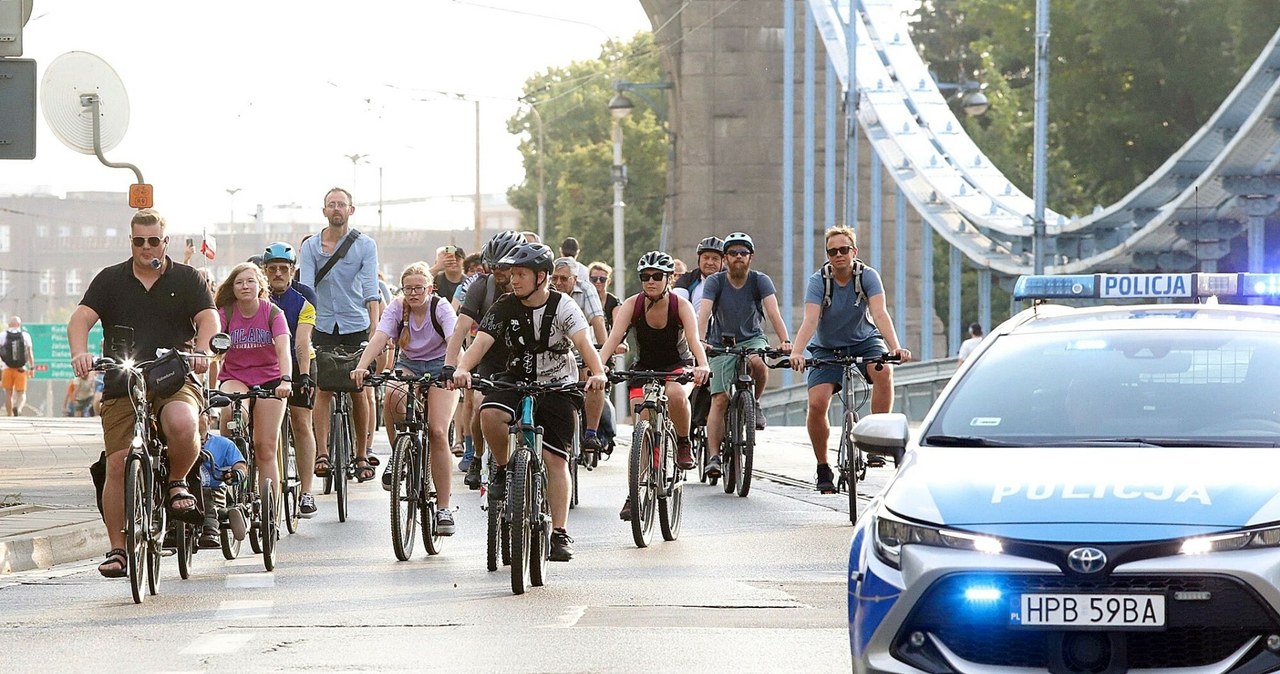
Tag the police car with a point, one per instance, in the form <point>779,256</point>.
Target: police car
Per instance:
<point>1096,490</point>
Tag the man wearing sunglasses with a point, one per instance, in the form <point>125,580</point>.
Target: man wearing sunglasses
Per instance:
<point>738,299</point>
<point>145,303</point>
<point>851,321</point>
<point>564,278</point>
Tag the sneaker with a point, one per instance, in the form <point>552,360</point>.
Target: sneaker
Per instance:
<point>498,486</point>
<point>307,506</point>
<point>209,538</point>
<point>592,444</point>
<point>465,464</point>
<point>826,480</point>
<point>444,522</point>
<point>713,467</point>
<point>874,460</point>
<point>761,421</point>
<point>237,523</point>
<point>561,546</point>
<point>472,479</point>
<point>684,455</point>
<point>386,479</point>
<point>625,515</point>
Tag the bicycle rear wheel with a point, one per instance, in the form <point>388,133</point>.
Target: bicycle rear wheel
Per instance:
<point>426,505</point>
<point>136,523</point>
<point>269,525</point>
<point>671,503</point>
<point>540,534</point>
<point>155,531</point>
<point>640,488</point>
<point>404,497</point>
<point>289,481</point>
<point>519,507</point>
<point>184,536</point>
<point>745,452</point>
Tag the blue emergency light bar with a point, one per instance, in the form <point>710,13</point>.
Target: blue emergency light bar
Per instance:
<point>1146,286</point>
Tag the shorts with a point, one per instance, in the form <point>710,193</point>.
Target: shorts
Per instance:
<point>833,374</point>
<point>354,339</point>
<point>13,378</point>
<point>555,411</point>
<point>117,415</point>
<point>421,367</point>
<point>724,368</point>
<point>637,390</point>
<point>304,399</point>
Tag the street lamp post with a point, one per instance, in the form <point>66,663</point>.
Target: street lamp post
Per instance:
<point>355,159</point>
<point>1041,136</point>
<point>231,223</point>
<point>620,106</point>
<point>542,179</point>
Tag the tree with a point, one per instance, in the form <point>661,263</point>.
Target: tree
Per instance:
<point>578,152</point>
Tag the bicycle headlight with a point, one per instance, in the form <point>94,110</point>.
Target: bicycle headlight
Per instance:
<point>891,533</point>
<point>1252,539</point>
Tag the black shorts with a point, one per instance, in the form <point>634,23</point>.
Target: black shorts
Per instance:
<point>353,339</point>
<point>555,411</point>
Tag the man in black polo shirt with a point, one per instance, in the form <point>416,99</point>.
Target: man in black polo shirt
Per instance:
<point>145,303</point>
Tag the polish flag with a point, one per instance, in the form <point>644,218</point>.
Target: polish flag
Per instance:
<point>207,246</point>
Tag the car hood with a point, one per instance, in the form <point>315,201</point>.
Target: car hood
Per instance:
<point>1102,494</point>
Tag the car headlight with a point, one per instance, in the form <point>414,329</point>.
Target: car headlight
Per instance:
<point>1240,540</point>
<point>891,533</point>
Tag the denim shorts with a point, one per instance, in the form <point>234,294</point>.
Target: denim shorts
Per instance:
<point>833,374</point>
<point>421,367</point>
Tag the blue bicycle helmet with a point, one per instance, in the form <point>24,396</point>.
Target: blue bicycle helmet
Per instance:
<point>280,251</point>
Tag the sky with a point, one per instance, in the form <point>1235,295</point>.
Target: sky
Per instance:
<point>271,97</point>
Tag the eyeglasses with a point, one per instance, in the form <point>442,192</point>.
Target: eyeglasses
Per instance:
<point>153,241</point>
<point>414,290</point>
<point>738,252</point>
<point>840,250</point>
<point>337,205</point>
<point>599,279</point>
<point>559,278</point>
<point>278,269</point>
<point>652,276</point>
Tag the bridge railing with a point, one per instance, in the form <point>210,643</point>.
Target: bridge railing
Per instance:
<point>915,387</point>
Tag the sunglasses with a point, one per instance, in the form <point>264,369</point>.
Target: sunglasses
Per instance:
<point>278,269</point>
<point>153,241</point>
<point>841,250</point>
<point>738,252</point>
<point>599,279</point>
<point>652,276</point>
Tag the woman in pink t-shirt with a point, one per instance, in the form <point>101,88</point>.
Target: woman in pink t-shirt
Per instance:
<point>421,338</point>
<point>259,356</point>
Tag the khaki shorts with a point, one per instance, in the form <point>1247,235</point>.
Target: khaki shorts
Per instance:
<point>14,379</point>
<point>117,415</point>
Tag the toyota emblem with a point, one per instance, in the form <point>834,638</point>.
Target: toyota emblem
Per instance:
<point>1086,560</point>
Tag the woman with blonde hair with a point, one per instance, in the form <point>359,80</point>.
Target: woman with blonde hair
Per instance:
<point>421,323</point>
<point>259,357</point>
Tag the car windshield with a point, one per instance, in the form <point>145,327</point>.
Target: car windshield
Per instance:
<point>1164,387</point>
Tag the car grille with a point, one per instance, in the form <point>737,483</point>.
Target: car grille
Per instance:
<point>1197,632</point>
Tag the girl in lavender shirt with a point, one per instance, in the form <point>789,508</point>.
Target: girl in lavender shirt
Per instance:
<point>421,340</point>
<point>259,356</point>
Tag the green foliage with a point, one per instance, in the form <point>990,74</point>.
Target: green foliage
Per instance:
<point>578,152</point>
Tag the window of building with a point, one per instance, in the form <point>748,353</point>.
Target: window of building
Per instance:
<point>112,231</point>
<point>4,283</point>
<point>88,231</point>
<point>42,231</point>
<point>64,231</point>
<point>46,282</point>
<point>4,238</point>
<point>73,282</point>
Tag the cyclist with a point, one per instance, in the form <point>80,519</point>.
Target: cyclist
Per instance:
<point>145,303</point>
<point>222,462</point>
<point>487,289</point>
<point>420,322</point>
<point>347,313</point>
<point>259,357</point>
<point>690,284</point>
<point>564,278</point>
<point>298,304</point>
<point>666,340</point>
<point>738,298</point>
<point>538,327</point>
<point>844,315</point>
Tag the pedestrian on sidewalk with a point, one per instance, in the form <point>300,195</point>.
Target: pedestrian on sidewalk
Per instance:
<point>19,365</point>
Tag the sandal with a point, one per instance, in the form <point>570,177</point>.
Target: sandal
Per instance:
<point>373,460</point>
<point>116,564</point>
<point>364,470</point>
<point>322,466</point>
<point>190,514</point>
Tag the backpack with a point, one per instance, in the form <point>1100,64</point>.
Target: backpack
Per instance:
<point>403,340</point>
<point>828,283</point>
<point>548,317</point>
<point>14,351</point>
<point>271,317</point>
<point>753,277</point>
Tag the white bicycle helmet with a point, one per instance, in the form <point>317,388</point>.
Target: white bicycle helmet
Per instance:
<point>740,238</point>
<point>656,259</point>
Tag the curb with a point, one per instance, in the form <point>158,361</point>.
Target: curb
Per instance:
<point>59,545</point>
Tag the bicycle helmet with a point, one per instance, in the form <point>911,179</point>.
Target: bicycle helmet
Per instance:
<point>280,251</point>
<point>535,256</point>
<point>712,244</point>
<point>656,259</point>
<point>500,245</point>
<point>256,259</point>
<point>740,238</point>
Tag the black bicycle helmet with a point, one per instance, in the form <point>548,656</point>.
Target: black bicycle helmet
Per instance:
<point>712,244</point>
<point>500,245</point>
<point>656,259</point>
<point>256,259</point>
<point>279,251</point>
<point>740,238</point>
<point>535,256</point>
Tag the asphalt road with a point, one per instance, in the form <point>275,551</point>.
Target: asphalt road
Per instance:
<point>754,584</point>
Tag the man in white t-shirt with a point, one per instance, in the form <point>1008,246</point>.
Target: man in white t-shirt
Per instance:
<point>538,326</point>
<point>968,345</point>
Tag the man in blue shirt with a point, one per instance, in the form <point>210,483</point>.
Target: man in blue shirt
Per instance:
<point>348,307</point>
<point>853,324</point>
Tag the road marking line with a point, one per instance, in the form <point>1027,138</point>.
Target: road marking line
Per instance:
<point>218,644</point>
<point>569,617</point>
<point>237,580</point>
<point>244,609</point>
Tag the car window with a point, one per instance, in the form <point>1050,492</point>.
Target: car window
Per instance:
<point>1181,384</point>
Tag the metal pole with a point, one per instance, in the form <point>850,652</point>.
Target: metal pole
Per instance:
<point>1041,133</point>
<point>877,212</point>
<point>810,131</point>
<point>984,298</point>
<point>829,217</point>
<point>900,262</point>
<point>542,179</point>
<point>851,103</point>
<point>788,158</point>
<point>478,241</point>
<point>619,179</point>
<point>954,316</point>
<point>926,290</point>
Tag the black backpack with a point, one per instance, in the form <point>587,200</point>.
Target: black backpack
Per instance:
<point>14,351</point>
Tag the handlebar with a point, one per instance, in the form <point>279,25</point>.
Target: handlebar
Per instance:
<point>525,388</point>
<point>765,352</point>
<point>842,361</point>
<point>224,398</point>
<point>619,376</point>
<point>107,363</point>
<point>385,376</point>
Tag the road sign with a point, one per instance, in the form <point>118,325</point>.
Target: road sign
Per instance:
<point>53,353</point>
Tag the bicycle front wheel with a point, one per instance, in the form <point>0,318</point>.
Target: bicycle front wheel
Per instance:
<point>136,524</point>
<point>640,488</point>
<point>849,464</point>
<point>404,497</point>
<point>340,454</point>
<point>520,509</point>
<point>269,526</point>
<point>746,445</point>
<point>155,530</point>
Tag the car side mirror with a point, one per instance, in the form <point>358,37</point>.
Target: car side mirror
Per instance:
<point>884,434</point>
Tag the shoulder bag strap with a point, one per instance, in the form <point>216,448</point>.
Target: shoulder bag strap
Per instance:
<point>337,254</point>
